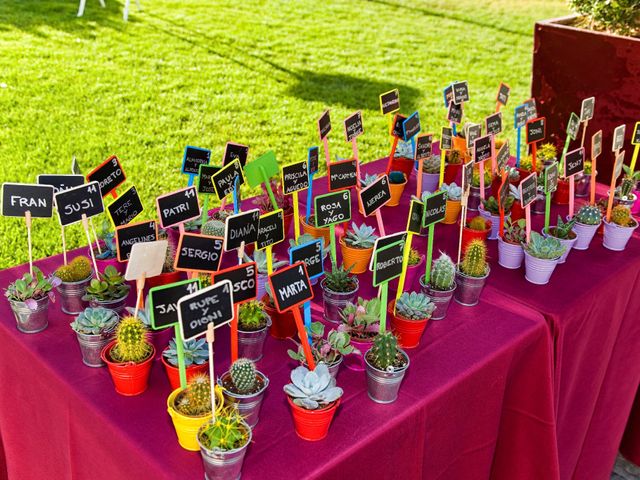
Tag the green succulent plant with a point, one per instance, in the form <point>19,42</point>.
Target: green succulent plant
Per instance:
<point>312,390</point>
<point>132,342</point>
<point>492,206</point>
<point>548,248</point>
<point>514,232</point>
<point>474,260</point>
<point>589,215</point>
<point>431,164</point>
<point>76,270</point>
<point>454,192</point>
<point>362,236</point>
<point>384,354</point>
<point>361,320</point>
<point>260,257</point>
<point>414,257</point>
<point>443,273</point>
<point>95,321</point>
<point>306,238</point>
<point>111,286</point>
<point>368,180</point>
<point>329,350</point>
<point>414,306</point>
<point>195,352</point>
<point>563,229</point>
<point>339,280</point>
<point>31,288</point>
<point>251,316</point>
<point>243,375</point>
<point>105,233</point>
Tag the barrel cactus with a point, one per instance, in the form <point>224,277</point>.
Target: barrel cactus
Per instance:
<point>414,306</point>
<point>132,344</point>
<point>478,223</point>
<point>314,389</point>
<point>384,352</point>
<point>95,321</point>
<point>474,262</point>
<point>227,432</point>
<point>213,228</point>
<point>621,215</point>
<point>443,273</point>
<point>195,400</point>
<point>589,215</point>
<point>76,270</point>
<point>243,375</point>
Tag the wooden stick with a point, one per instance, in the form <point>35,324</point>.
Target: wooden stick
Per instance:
<point>95,236</point>
<point>139,298</point>
<point>234,333</point>
<point>27,219</point>
<point>592,193</point>
<point>212,378</point>
<point>85,224</point>
<point>584,131</point>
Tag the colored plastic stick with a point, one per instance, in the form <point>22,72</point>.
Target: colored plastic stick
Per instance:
<point>572,191</point>
<point>268,185</point>
<point>332,234</point>
<point>189,184</point>
<point>269,259</point>
<point>419,178</point>
<point>405,265</point>
<point>634,158</point>
<point>394,145</point>
<point>306,309</point>
<point>205,211</point>
<point>463,221</point>
<point>85,224</point>
<point>182,369</point>
<point>212,378</point>
<point>354,150</point>
<point>527,219</point>
<point>309,197</point>
<point>296,216</point>
<point>534,157</point>
<point>427,274</point>
<point>234,333</point>
<point>547,211</point>
<point>518,147</point>
<point>384,293</point>
<point>443,154</point>
<point>592,193</point>
<point>64,245</point>
<point>380,223</point>
<point>564,154</point>
<point>481,171</point>
<point>236,203</point>
<point>303,336</point>
<point>27,219</point>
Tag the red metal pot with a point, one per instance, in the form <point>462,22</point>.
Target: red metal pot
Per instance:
<point>469,234</point>
<point>451,171</point>
<point>404,165</point>
<point>312,425</point>
<point>128,378</point>
<point>561,195</point>
<point>164,279</point>
<point>408,331</point>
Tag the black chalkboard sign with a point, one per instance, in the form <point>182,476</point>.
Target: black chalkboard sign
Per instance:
<point>493,123</point>
<point>503,192</point>
<point>178,207</point>
<point>60,182</point>
<point>587,109</point>
<point>387,263</point>
<point>382,242</point>
<point>536,129</point>
<point>353,126</point>
<point>163,302</point>
<point>198,253</point>
<point>635,139</point>
<point>502,158</point>
<point>311,255</point>
<point>446,139</point>
<point>482,148</point>
<point>126,207</point>
<point>244,278</point>
<point>332,208</point>
<point>128,235</point>
<point>295,177</point>
<point>424,144</point>
<point>596,144</point>
<point>448,95</point>
<point>81,200</point>
<point>235,151</point>
<point>434,208</point>
<point>454,113</point>
<point>503,94</point>
<point>574,162</point>
<point>520,116</point>
<point>205,180</point>
<point>312,160</point>
<point>291,287</point>
<point>473,132</point>
<point>397,130</point>
<point>375,196</point>
<point>573,126</point>
<point>342,175</point>
<point>551,178</point>
<point>108,174</point>
<point>467,176</point>
<point>324,124</point>
<point>18,198</point>
<point>411,126</point>
<point>531,109</point>
<point>528,190</point>
<point>416,212</point>
<point>460,92</point>
<point>390,102</point>
<point>213,304</point>
<point>618,138</point>
<point>193,158</point>
<point>224,179</point>
<point>241,227</point>
<point>270,229</point>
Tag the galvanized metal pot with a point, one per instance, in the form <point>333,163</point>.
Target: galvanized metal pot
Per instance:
<point>334,302</point>
<point>333,368</point>
<point>116,305</point>
<point>31,321</point>
<point>355,362</point>
<point>251,343</point>
<point>71,294</point>
<point>248,405</point>
<point>495,221</point>
<point>510,255</point>
<point>469,288</point>
<point>223,464</point>
<point>91,347</point>
<point>566,242</point>
<point>440,298</point>
<point>616,237</point>
<point>382,386</point>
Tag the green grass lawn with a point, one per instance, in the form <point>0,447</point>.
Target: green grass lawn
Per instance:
<point>203,72</point>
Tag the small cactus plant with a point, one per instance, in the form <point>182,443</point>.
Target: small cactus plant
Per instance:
<point>95,321</point>
<point>474,262</point>
<point>621,215</point>
<point>368,180</point>
<point>132,344</point>
<point>243,375</point>
<point>589,215</point>
<point>397,178</point>
<point>170,255</point>
<point>414,306</point>
<point>443,273</point>
<point>76,270</point>
<point>384,354</point>
<point>213,228</point>
<point>414,257</point>
<point>478,223</point>
<point>195,399</point>
<point>251,316</point>
<point>227,432</point>
<point>362,236</point>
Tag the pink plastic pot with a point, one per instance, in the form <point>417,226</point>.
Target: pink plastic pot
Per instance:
<point>355,362</point>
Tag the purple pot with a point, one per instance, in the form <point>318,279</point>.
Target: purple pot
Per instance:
<point>538,270</point>
<point>355,362</point>
<point>510,255</point>
<point>616,237</point>
<point>585,233</point>
<point>413,272</point>
<point>567,243</point>
<point>429,181</point>
<point>495,222</point>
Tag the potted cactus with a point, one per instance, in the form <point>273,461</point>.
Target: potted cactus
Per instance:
<point>563,231</point>
<point>196,360</point>
<point>94,329</point>
<point>510,251</point>
<point>357,247</point>
<point>283,324</point>
<point>476,228</point>
<point>74,279</point>
<point>253,323</point>
<point>314,399</point>
<point>583,180</point>
<point>159,338</point>
<point>339,288</point>
<point>430,173</point>
<point>330,350</point>
<point>260,257</point>
<point>169,274</point>
<point>454,192</point>
<point>397,182</point>
<point>541,256</point>
<point>453,164</point>
<point>474,191</point>
<point>108,254</point>
<point>490,209</point>
<point>472,273</point>
<point>190,408</point>
<point>285,202</point>
<point>588,220</point>
<point>243,387</point>
<point>129,357</point>
<point>623,194</point>
<point>110,291</point>
<point>29,299</point>
<point>386,365</point>
<point>441,285</point>
<point>619,229</point>
<point>408,321</point>
<point>361,320</point>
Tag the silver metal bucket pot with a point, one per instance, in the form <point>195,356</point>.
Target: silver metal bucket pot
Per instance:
<point>383,387</point>
<point>251,343</point>
<point>31,321</point>
<point>71,293</point>
<point>223,465</point>
<point>116,305</point>
<point>469,288</point>
<point>440,298</point>
<point>91,346</point>
<point>248,405</point>
<point>334,302</point>
<point>585,234</point>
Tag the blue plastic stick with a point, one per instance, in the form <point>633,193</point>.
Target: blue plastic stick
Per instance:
<point>309,196</point>
<point>307,318</point>
<point>453,128</point>
<point>518,147</point>
<point>191,179</point>
<point>236,204</point>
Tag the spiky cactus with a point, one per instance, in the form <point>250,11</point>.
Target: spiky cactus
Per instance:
<point>214,228</point>
<point>205,279</point>
<point>621,215</point>
<point>195,400</point>
<point>589,215</point>
<point>132,344</point>
<point>76,270</point>
<point>443,273</point>
<point>243,375</point>
<point>384,352</point>
<point>478,223</point>
<point>414,306</point>
<point>227,432</point>
<point>474,262</point>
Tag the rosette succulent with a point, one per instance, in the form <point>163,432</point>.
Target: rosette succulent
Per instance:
<point>362,236</point>
<point>196,352</point>
<point>414,306</point>
<point>362,319</point>
<point>431,164</point>
<point>548,248</point>
<point>312,389</point>
<point>329,350</point>
<point>95,321</point>
<point>454,192</point>
<point>31,288</point>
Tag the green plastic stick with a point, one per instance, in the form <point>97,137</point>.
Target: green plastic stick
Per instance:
<point>268,185</point>
<point>205,211</point>
<point>383,307</point>
<point>332,234</point>
<point>547,211</point>
<point>182,369</point>
<point>564,153</point>
<point>427,274</point>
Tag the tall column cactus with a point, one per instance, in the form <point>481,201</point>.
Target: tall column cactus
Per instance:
<point>474,262</point>
<point>132,344</point>
<point>443,273</point>
<point>243,375</point>
<point>384,351</point>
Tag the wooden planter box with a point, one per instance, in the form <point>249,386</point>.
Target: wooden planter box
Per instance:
<point>571,64</point>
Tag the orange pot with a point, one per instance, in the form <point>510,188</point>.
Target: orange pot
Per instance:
<point>452,212</point>
<point>396,192</point>
<point>358,257</point>
<point>315,232</point>
<point>460,144</point>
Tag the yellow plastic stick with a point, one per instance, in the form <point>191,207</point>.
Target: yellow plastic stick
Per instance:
<point>296,216</point>
<point>269,260</point>
<point>405,265</point>
<point>634,158</point>
<point>442,156</point>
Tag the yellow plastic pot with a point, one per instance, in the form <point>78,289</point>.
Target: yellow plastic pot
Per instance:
<point>452,212</point>
<point>186,426</point>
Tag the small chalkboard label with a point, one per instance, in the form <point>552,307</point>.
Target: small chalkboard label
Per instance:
<point>387,263</point>
<point>448,95</point>
<point>129,235</point>
<point>493,123</point>
<point>416,212</point>
<point>353,126</point>
<point>503,94</point>
<point>178,207</point>
<point>618,137</point>
<point>332,208</point>
<point>520,116</point>
<point>483,148</point>
<point>205,180</point>
<point>375,196</point>
<point>398,120</point>
<point>635,139</point>
<point>244,278</point>
<point>473,131</point>
<point>573,127</point>
<point>528,190</point>
<point>125,208</point>
<point>146,260</point>
<point>194,157</point>
<point>390,101</point>
<point>198,253</point>
<point>343,175</point>
<point>311,255</point>
<point>163,302</point>
<point>75,168</point>
<point>324,125</point>
<point>60,182</point>
<point>108,174</point>
<point>503,193</point>
<point>587,109</point>
<point>467,176</point>
<point>424,146</point>
<point>241,227</point>
<point>617,166</point>
<point>551,178</point>
<point>81,200</point>
<point>502,158</point>
<point>434,208</point>
<point>596,144</point>
<point>411,126</point>
<point>460,92</point>
<point>454,113</point>
<point>224,179</point>
<point>382,242</point>
<point>536,130</point>
<point>19,198</point>
<point>213,304</point>
<point>531,109</point>
<point>295,177</point>
<point>312,160</point>
<point>574,162</point>
<point>235,151</point>
<point>446,139</point>
<point>291,287</point>
<point>270,229</point>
